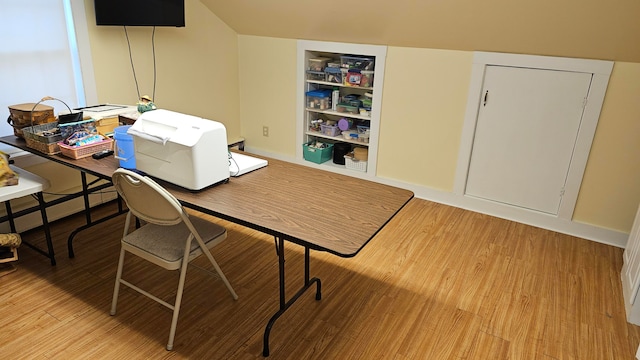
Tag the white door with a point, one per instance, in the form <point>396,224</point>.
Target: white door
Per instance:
<point>631,272</point>
<point>526,131</point>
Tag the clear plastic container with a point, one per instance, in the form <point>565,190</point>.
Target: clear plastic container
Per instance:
<point>318,64</point>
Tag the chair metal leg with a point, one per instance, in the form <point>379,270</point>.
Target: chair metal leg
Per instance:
<point>215,265</point>
<point>116,289</point>
<point>176,306</point>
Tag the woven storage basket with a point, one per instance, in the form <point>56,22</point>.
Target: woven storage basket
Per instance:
<point>23,115</point>
<point>49,149</point>
<point>45,133</point>
<point>29,114</point>
<point>353,164</point>
<point>79,152</point>
<point>37,140</point>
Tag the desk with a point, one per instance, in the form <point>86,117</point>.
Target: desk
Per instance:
<point>316,209</point>
<point>28,184</point>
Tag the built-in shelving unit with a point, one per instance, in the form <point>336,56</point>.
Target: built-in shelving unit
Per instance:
<point>359,85</point>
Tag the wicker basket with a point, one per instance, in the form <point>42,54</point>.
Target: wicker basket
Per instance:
<point>49,149</point>
<point>46,133</point>
<point>37,140</point>
<point>29,114</point>
<point>23,115</point>
<point>79,152</point>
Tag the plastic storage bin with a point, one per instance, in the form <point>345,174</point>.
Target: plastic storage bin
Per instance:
<point>69,129</point>
<point>357,62</point>
<point>347,108</point>
<point>319,99</point>
<point>124,147</point>
<point>316,154</point>
<point>362,129</point>
<point>316,75</point>
<point>353,164</point>
<point>333,75</point>
<point>352,99</point>
<point>79,152</point>
<point>318,64</point>
<point>330,130</point>
<point>353,78</point>
<point>367,78</point>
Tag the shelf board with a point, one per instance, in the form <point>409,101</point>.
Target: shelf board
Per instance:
<point>336,138</point>
<point>327,83</point>
<point>332,112</point>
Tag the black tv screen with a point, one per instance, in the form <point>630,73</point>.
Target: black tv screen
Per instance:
<point>140,12</point>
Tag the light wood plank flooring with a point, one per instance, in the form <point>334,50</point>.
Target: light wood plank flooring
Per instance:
<point>436,283</point>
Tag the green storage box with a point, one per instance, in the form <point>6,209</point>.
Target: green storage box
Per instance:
<point>317,155</point>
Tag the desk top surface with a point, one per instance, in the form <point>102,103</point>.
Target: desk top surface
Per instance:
<point>316,208</point>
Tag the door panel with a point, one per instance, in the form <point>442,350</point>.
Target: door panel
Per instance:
<point>526,130</point>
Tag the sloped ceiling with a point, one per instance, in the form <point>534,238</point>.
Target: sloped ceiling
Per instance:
<point>593,29</point>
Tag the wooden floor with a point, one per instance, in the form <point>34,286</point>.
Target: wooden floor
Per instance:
<point>436,283</point>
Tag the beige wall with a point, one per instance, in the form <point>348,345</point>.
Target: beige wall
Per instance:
<point>248,82</point>
<point>268,93</point>
<point>423,108</point>
<point>571,28</point>
<point>197,66</point>
<point>423,105</point>
<point>610,189</point>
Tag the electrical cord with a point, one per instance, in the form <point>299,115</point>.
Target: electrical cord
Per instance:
<point>131,59</point>
<point>133,68</point>
<point>234,161</point>
<point>153,52</point>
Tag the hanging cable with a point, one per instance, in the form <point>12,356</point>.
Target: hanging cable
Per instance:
<point>131,59</point>
<point>153,49</point>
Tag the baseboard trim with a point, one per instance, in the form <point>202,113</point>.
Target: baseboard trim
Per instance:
<point>544,221</point>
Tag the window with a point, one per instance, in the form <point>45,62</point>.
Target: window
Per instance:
<point>39,54</point>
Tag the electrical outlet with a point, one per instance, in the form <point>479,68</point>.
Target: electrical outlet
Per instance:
<point>265,131</point>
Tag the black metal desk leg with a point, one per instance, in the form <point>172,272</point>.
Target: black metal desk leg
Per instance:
<point>85,197</point>
<point>284,305</point>
<point>45,226</point>
<point>12,223</point>
<point>87,212</point>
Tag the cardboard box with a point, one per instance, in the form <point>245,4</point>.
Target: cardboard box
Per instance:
<point>106,126</point>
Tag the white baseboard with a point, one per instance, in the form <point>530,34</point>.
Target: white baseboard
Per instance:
<point>544,221</point>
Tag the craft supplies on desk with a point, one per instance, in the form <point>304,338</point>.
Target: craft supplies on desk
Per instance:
<point>82,151</point>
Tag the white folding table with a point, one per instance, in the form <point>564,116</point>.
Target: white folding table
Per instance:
<point>28,184</point>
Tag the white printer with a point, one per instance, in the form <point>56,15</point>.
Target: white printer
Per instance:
<point>182,149</point>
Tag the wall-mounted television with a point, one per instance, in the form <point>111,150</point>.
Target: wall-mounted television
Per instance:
<point>140,12</point>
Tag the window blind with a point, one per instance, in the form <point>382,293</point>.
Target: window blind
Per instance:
<point>38,56</point>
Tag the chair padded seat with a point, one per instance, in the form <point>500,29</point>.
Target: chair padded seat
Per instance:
<point>167,242</point>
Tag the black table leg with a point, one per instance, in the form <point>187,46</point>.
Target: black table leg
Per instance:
<point>45,225</point>
<point>87,212</point>
<point>284,305</point>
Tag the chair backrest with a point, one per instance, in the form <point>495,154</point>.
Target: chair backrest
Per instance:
<point>146,199</point>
